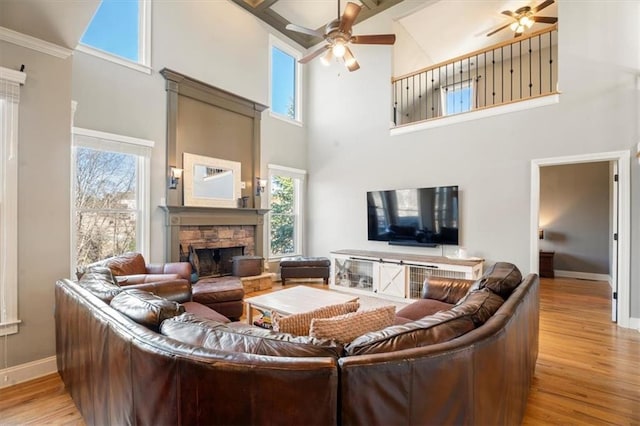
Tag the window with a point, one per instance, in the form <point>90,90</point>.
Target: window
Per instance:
<point>110,195</point>
<point>285,74</point>
<point>10,82</point>
<point>457,98</point>
<point>286,201</point>
<point>120,32</point>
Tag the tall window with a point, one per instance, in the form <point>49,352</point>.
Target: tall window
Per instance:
<point>10,82</point>
<point>110,195</point>
<point>286,202</point>
<point>120,32</point>
<point>285,73</point>
<point>457,98</point>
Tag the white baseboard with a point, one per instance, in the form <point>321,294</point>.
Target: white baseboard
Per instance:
<point>583,275</point>
<point>24,372</point>
<point>634,323</point>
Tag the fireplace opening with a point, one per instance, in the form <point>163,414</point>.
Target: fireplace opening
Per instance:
<point>213,262</point>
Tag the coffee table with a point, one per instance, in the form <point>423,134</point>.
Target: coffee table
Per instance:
<point>295,300</point>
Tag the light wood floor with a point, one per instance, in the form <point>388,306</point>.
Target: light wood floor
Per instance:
<point>588,370</point>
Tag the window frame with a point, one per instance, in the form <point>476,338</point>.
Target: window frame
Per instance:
<point>135,146</point>
<point>296,55</point>
<point>144,43</point>
<point>10,82</point>
<point>300,177</point>
<point>444,91</point>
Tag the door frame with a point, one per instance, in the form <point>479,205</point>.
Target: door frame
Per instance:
<point>623,160</point>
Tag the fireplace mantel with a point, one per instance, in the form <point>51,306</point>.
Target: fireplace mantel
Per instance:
<point>177,216</point>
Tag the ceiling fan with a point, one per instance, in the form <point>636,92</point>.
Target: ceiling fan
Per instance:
<point>338,36</point>
<point>524,18</point>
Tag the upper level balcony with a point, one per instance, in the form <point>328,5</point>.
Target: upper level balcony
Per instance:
<point>521,69</point>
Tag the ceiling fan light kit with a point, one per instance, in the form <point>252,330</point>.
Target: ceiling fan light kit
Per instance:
<point>525,17</point>
<point>338,36</point>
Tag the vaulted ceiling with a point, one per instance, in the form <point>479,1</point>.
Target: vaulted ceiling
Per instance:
<point>310,14</point>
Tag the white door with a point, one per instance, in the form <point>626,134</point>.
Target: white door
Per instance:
<point>391,279</point>
<point>614,243</point>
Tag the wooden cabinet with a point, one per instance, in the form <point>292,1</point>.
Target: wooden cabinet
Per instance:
<point>546,264</point>
<point>394,275</point>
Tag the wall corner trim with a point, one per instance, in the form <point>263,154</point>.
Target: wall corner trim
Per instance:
<point>28,371</point>
<point>34,43</point>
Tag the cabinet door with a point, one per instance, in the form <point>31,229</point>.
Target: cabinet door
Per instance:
<point>391,281</point>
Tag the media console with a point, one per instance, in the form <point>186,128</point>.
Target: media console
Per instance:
<point>394,275</point>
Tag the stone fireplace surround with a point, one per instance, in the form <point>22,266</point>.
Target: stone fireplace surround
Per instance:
<point>213,227</point>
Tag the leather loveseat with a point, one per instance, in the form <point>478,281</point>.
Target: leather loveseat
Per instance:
<point>470,363</point>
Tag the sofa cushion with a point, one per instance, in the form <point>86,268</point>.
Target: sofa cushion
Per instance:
<point>146,278</point>
<point>437,328</point>
<point>202,311</point>
<point>501,278</point>
<point>145,308</point>
<point>126,264</point>
<point>480,305</point>
<point>100,282</point>
<point>345,328</point>
<point>421,308</point>
<point>299,324</point>
<point>187,328</point>
<point>448,290</point>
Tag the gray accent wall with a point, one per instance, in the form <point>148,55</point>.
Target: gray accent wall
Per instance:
<point>574,214</point>
<point>44,154</point>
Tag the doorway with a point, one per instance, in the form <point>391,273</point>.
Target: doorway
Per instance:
<point>620,214</point>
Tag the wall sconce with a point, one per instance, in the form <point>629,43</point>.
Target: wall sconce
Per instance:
<point>540,233</point>
<point>261,185</point>
<point>175,176</point>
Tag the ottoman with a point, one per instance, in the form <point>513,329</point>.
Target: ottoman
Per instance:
<point>222,294</point>
<point>304,267</point>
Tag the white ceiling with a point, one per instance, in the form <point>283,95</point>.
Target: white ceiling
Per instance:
<point>442,29</point>
<point>449,28</point>
<point>61,22</point>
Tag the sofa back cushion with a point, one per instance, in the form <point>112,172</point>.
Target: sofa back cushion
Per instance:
<point>345,328</point>
<point>189,329</point>
<point>501,278</point>
<point>437,328</point>
<point>299,324</point>
<point>447,290</point>
<point>145,308</point>
<point>126,264</point>
<point>100,282</point>
<point>480,305</point>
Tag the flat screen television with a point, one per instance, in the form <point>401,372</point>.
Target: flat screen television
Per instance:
<point>414,217</point>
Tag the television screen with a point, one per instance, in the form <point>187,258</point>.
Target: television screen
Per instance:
<point>422,216</point>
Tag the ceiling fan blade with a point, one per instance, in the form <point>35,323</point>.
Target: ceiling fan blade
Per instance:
<point>374,39</point>
<point>509,13</point>
<point>498,29</point>
<point>350,61</point>
<point>314,55</point>
<point>304,30</point>
<point>542,5</point>
<point>545,19</point>
<point>349,17</point>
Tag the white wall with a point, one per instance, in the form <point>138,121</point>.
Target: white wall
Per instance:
<point>351,151</point>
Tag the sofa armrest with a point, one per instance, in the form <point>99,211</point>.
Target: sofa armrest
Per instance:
<point>181,268</point>
<point>178,290</point>
<point>448,290</point>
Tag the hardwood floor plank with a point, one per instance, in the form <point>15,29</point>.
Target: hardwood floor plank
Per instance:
<point>588,370</point>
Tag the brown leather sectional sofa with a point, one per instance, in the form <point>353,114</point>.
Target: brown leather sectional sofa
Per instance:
<point>471,363</point>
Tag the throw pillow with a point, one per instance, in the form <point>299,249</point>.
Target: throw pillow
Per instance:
<point>145,308</point>
<point>298,324</point>
<point>345,328</point>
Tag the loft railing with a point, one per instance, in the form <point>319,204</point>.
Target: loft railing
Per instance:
<point>507,72</point>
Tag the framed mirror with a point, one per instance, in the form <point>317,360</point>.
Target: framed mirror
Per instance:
<point>210,182</point>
